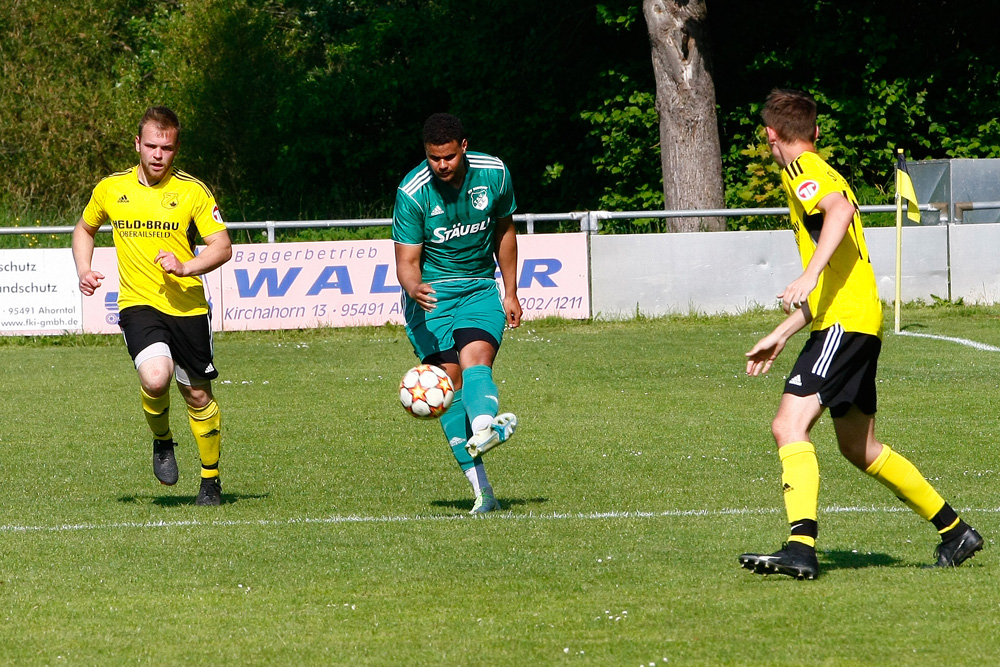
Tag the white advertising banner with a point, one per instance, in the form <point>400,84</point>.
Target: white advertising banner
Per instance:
<point>348,283</point>
<point>353,283</point>
<point>302,285</point>
<point>39,292</point>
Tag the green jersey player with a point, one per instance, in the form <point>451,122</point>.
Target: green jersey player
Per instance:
<point>452,226</point>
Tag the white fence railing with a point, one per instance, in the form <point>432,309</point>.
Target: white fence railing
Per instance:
<point>589,221</point>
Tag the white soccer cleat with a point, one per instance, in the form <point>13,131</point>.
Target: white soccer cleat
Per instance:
<point>495,434</point>
<point>485,502</point>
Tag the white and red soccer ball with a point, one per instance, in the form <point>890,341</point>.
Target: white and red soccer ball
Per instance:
<point>426,391</point>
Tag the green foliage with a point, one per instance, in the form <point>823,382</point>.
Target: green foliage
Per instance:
<point>920,78</point>
<point>626,126</point>
<point>629,162</point>
<point>62,117</point>
<point>296,109</point>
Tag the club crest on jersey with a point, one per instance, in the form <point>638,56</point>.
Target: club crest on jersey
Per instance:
<point>170,200</point>
<point>216,215</point>
<point>480,196</point>
<point>807,190</point>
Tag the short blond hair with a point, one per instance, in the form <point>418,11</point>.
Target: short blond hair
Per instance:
<point>163,117</point>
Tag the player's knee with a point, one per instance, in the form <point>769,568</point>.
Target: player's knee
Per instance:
<point>785,430</point>
<point>197,396</point>
<point>156,383</point>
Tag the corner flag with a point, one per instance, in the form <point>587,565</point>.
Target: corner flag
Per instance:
<point>904,189</point>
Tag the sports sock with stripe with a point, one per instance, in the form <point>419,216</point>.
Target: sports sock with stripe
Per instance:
<point>800,484</point>
<point>481,396</point>
<point>206,425</point>
<point>157,411</point>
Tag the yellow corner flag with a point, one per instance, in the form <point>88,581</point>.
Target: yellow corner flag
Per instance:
<point>904,189</point>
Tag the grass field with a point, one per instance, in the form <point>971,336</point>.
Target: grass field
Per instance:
<point>642,467</point>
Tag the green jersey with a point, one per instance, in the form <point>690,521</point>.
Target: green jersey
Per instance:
<point>457,228</point>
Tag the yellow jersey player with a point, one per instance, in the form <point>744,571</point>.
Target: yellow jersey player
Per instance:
<point>156,213</point>
<point>837,295</point>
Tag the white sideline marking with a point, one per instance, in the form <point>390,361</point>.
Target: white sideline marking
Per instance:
<point>744,511</point>
<point>961,341</point>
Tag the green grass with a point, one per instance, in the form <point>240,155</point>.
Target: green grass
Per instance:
<point>643,466</point>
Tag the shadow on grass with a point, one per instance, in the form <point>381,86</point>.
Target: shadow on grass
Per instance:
<point>838,559</point>
<point>506,503</point>
<point>178,501</point>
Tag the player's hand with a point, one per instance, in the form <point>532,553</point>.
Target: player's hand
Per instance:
<point>797,293</point>
<point>424,296</point>
<point>763,354</point>
<point>512,308</point>
<point>170,264</point>
<point>90,281</point>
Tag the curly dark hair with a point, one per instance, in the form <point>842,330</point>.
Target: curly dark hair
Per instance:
<point>443,128</point>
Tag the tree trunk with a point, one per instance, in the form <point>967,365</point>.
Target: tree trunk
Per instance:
<point>685,101</point>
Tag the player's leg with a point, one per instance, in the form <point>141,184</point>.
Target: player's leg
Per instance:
<point>156,369</point>
<point>800,486</point>
<point>205,420</point>
<point>483,404</point>
<point>856,436</point>
<point>478,332</point>
<point>457,430</point>
<point>431,337</point>
<point>798,412</point>
<point>194,372</point>
<point>147,342</point>
<point>155,373</point>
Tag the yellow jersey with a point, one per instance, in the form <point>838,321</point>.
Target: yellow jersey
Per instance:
<point>846,293</point>
<point>146,219</point>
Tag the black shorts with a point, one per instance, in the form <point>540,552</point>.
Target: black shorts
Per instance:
<point>462,337</point>
<point>188,340</point>
<point>839,367</point>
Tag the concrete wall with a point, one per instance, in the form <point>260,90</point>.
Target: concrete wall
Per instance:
<point>730,272</point>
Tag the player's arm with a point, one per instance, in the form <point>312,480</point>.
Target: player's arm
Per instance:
<point>83,255</point>
<point>411,278</point>
<point>767,349</point>
<point>838,213</point>
<point>218,250</point>
<point>506,253</point>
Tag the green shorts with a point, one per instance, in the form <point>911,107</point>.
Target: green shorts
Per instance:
<point>461,304</point>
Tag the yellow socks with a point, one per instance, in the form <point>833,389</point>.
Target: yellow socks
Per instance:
<point>901,477</point>
<point>800,483</point>
<point>206,425</point>
<point>157,411</point>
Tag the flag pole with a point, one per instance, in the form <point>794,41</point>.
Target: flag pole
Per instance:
<point>904,190</point>
<point>899,240</point>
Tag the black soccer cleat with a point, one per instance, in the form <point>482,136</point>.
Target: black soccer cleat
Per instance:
<point>957,550</point>
<point>164,463</point>
<point>794,559</point>
<point>210,492</point>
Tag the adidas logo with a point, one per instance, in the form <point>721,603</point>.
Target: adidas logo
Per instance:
<point>797,381</point>
<point>437,211</point>
<point>123,199</point>
<point>209,368</point>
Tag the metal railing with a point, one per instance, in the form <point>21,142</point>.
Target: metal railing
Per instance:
<point>589,221</point>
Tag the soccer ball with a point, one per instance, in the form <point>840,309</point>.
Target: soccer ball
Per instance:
<point>426,391</point>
